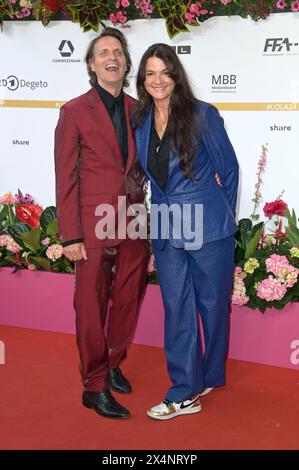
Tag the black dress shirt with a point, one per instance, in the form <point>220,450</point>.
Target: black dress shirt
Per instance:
<point>158,157</point>
<point>120,123</point>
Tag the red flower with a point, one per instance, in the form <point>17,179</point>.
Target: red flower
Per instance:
<point>29,213</point>
<point>276,207</point>
<point>54,5</point>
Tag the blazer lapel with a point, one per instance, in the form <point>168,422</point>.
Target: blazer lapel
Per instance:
<point>106,128</point>
<point>142,135</point>
<point>173,165</point>
<point>131,140</point>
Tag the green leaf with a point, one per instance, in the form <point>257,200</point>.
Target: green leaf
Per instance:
<point>40,262</point>
<point>256,227</point>
<point>3,213</point>
<point>5,9</point>
<point>12,260</point>
<point>52,229</point>
<point>32,239</point>
<point>292,219</point>
<point>47,216</point>
<point>175,25</point>
<point>293,234</point>
<point>251,247</point>
<point>244,231</point>
<point>89,13</point>
<point>16,230</point>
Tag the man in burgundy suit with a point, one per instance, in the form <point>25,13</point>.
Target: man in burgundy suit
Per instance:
<point>95,163</point>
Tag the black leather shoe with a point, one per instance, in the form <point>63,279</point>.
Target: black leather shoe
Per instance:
<point>118,382</point>
<point>104,404</point>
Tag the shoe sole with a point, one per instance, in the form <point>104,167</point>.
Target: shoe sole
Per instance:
<point>185,411</point>
<point>206,391</point>
<point>87,405</point>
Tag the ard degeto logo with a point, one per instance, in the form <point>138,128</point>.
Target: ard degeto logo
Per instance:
<point>66,48</point>
<point>12,83</point>
<point>280,46</point>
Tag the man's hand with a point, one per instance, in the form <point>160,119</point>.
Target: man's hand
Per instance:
<point>75,252</point>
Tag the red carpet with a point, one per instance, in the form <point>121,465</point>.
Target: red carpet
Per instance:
<point>40,405</point>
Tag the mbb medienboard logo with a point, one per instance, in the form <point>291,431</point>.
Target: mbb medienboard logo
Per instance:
<point>65,52</point>
<point>280,46</point>
<point>12,83</point>
<point>224,83</point>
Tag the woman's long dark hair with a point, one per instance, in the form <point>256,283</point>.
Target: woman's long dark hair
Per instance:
<point>184,125</point>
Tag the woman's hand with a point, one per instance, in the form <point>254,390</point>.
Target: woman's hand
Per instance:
<point>218,180</point>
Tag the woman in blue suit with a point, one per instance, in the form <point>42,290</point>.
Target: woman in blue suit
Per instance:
<point>186,154</point>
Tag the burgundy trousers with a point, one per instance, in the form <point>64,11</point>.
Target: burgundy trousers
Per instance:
<point>108,291</point>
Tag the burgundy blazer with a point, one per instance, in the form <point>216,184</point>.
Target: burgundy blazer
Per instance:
<point>90,168</point>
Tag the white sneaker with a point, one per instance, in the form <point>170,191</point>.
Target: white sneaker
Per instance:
<point>169,409</point>
<point>206,391</point>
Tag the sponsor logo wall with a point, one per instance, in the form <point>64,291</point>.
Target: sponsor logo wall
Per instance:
<point>249,70</point>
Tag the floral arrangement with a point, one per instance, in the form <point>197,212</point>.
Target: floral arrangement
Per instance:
<point>29,235</point>
<point>267,254</point>
<point>178,15</point>
<point>266,258</point>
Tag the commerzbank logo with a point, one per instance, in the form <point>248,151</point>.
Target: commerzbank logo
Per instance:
<point>280,46</point>
<point>66,48</point>
<point>65,52</point>
<point>13,82</point>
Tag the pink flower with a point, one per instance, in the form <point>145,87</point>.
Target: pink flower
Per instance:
<point>113,19</point>
<point>239,296</point>
<point>276,263</point>
<point>31,267</point>
<point>145,7</point>
<point>13,247</point>
<point>295,6</point>
<point>281,4</point>
<point>25,4</point>
<point>270,289</point>
<point>54,252</point>
<point>151,265</point>
<point>225,2</point>
<point>194,8</point>
<point>5,239</point>
<point>46,241</point>
<point>8,198</point>
<point>190,18</point>
<point>121,18</point>
<point>27,199</point>
<point>26,12</point>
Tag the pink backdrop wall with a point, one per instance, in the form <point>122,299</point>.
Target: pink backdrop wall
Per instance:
<point>43,301</point>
